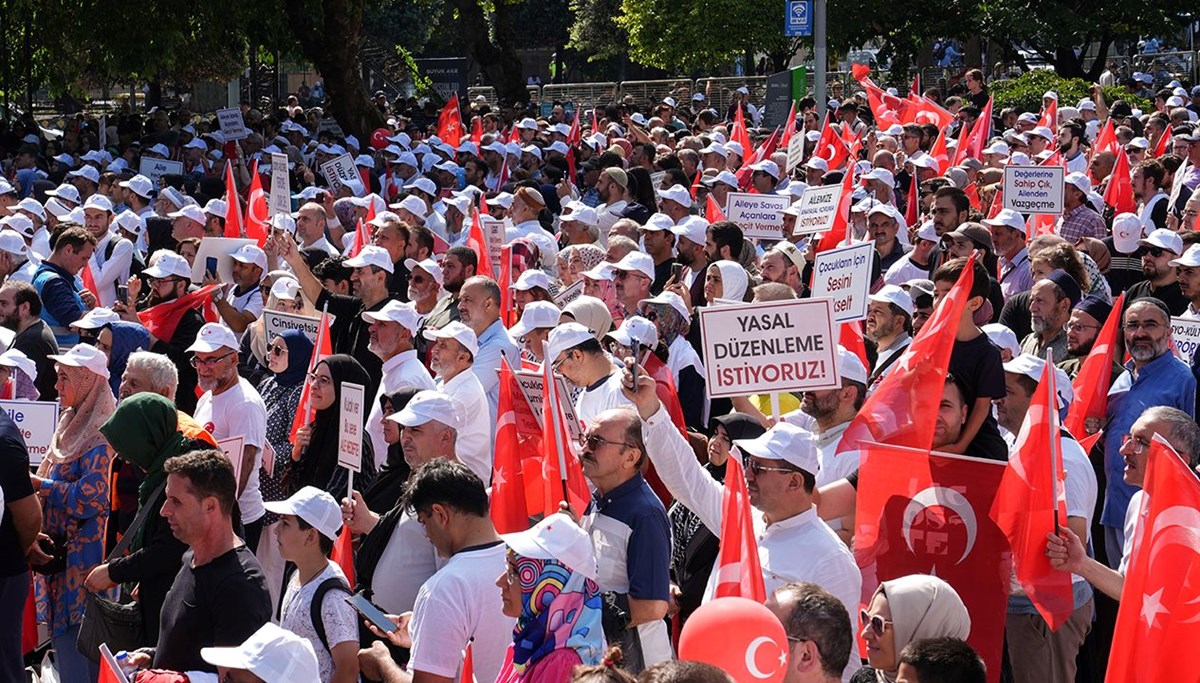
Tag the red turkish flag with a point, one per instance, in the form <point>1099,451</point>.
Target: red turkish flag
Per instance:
<point>343,553</point>
<point>233,205</point>
<point>1161,145</point>
<point>563,476</point>
<point>904,405</point>
<point>739,134</point>
<point>508,508</point>
<point>321,348</point>
<point>1092,381</point>
<point>831,148</point>
<point>739,573</point>
<point>927,513</point>
<point>478,242</point>
<point>508,313</point>
<point>1159,619</point>
<point>477,130</point>
<point>257,214</point>
<point>468,666</point>
<point>763,151</point>
<point>912,209</point>
<point>980,131</point>
<point>789,128</point>
<point>1106,139</point>
<point>1028,505</point>
<point>840,229</point>
<point>960,150</point>
<point>859,71</point>
<point>1119,193</point>
<point>940,152</point>
<point>972,192</point>
<point>885,116</point>
<point>712,212</point>
<point>89,280</point>
<point>850,337</point>
<point>450,127</point>
<point>107,675</point>
<point>695,183</point>
<point>1050,116</point>
<point>162,319</point>
<point>361,239</point>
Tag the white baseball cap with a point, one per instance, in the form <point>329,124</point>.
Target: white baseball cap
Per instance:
<point>168,264</point>
<point>13,243</point>
<point>423,184</point>
<point>273,654</point>
<point>557,538</point>
<point>191,211</point>
<point>314,506</point>
<point>669,299</point>
<point>882,175</point>
<point>537,315</point>
<point>532,278</point>
<point>657,223</point>
<point>371,255</point>
<point>1003,337</point>
<point>88,172</point>
<point>32,206</point>
<point>412,204</point>
<point>601,271</point>
<point>1007,218</point>
<point>722,177</point>
<point>715,148</point>
<point>1190,258</point>
<point>818,164</point>
<point>893,294</point>
<point>787,442</point>
<point>139,185</point>
<point>1031,366</point>
<point>460,333</point>
<point>850,366</point>
<point>636,261</point>
<point>19,222</point>
<point>1043,131</point>
<point>396,312</point>
<point>1163,239</point>
<point>734,147</point>
<point>213,336</point>
<point>83,356</point>
<point>14,358</point>
<point>1138,143</point>
<point>635,328</point>
<point>65,191</point>
<point>130,222</point>
<point>428,265</point>
<point>426,406</point>
<point>98,201</point>
<point>249,253</point>
<point>767,166</point>
<point>216,207</point>
<point>1127,231</point>
<point>1080,181</point>
<point>694,228</point>
<point>285,289</point>
<point>998,147</point>
<point>503,200</point>
<point>283,222</point>
<point>96,318</point>
<point>566,336</point>
<point>678,194</point>
<point>586,215</point>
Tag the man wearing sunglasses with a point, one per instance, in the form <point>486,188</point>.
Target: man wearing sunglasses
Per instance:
<point>780,467</point>
<point>1156,252</point>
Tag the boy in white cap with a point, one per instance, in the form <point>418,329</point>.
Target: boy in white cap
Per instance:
<point>270,655</point>
<point>314,605</point>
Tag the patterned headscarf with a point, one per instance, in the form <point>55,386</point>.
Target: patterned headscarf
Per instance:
<point>671,325</point>
<point>78,429</point>
<point>560,609</point>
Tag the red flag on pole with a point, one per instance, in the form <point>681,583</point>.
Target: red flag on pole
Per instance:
<point>1049,117</point>
<point>789,128</point>
<point>739,573</point>
<point>831,147</point>
<point>915,88</point>
<point>1162,144</point>
<point>508,510</point>
<point>468,665</point>
<point>972,192</point>
<point>162,319</point>
<point>960,150</point>
<point>980,131</point>
<point>1092,382</point>
<point>940,153</point>
<point>343,553</point>
<point>838,232</point>
<point>563,479</point>
<point>1106,139</point>
<point>927,513</point>
<point>477,241</point>
<point>1119,193</point>
<point>1027,505</point>
<point>696,183</point>
<point>508,312</point>
<point>89,280</point>
<point>712,212</point>
<point>361,239</point>
<point>739,134</point>
<point>256,209</point>
<point>233,205</point>
<point>850,337</point>
<point>321,348</point>
<point>903,406</point>
<point>1158,621</point>
<point>477,130</point>
<point>450,128</point>
<point>912,209</point>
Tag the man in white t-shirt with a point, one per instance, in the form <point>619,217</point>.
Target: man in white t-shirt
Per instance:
<point>391,331</point>
<point>574,352</point>
<point>244,302</point>
<point>309,523</point>
<point>451,356</point>
<point>460,603</point>
<point>231,407</point>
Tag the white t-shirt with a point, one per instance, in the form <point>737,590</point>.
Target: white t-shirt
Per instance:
<point>251,301</point>
<point>458,603</point>
<point>337,616</point>
<point>476,435</point>
<point>407,562</point>
<point>595,400</point>
<point>238,411</point>
<point>402,370</point>
<point>1081,487</point>
<point>1132,515</point>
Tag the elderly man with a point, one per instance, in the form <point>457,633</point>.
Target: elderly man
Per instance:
<point>1079,219</point>
<point>1087,319</point>
<point>784,263</point>
<point>1008,236</point>
<point>451,356</point>
<point>1153,377</point>
<point>1050,304</point>
<point>187,222</point>
<point>479,309</point>
<point>392,332</point>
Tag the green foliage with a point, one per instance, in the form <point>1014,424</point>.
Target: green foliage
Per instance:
<point>595,32</point>
<point>421,84</point>
<point>688,35</point>
<point>1025,92</point>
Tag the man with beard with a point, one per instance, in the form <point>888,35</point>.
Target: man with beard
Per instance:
<point>612,188</point>
<point>458,264</point>
<point>20,310</point>
<point>232,407</point>
<point>883,223</point>
<point>453,351</point>
<point>1156,252</point>
<point>888,324</point>
<point>1153,377</point>
<point>1070,144</point>
<point>1149,178</point>
<point>1050,304</point>
<point>689,248</point>
<point>1088,316</point>
<point>169,278</point>
<point>784,263</point>
<point>391,332</point>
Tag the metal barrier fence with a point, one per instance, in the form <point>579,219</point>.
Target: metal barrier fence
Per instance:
<point>719,91</point>
<point>648,94</point>
<point>582,94</point>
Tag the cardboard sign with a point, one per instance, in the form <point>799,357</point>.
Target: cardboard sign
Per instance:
<point>795,151</point>
<point>531,383</point>
<point>280,199</point>
<point>233,448</point>
<point>350,430</point>
<point>1185,333</point>
<point>339,172</point>
<point>232,124</point>
<point>844,276</point>
<point>155,169</point>
<point>769,347</point>
<point>758,215</point>
<point>1034,189</point>
<point>493,232</point>
<point>818,208</point>
<point>36,420</point>
<point>656,179</point>
<point>569,294</point>
<point>219,248</point>
<point>276,323</point>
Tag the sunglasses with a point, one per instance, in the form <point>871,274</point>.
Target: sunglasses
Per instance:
<point>756,468</point>
<point>876,622</point>
<point>1156,252</point>
<point>278,350</point>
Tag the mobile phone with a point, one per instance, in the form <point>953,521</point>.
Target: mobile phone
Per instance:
<point>677,273</point>
<point>636,347</point>
<point>371,613</point>
<point>210,266</point>
<point>123,294</point>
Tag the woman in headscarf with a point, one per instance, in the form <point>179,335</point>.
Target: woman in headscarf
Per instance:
<point>590,312</point>
<point>596,283</point>
<point>725,280</point>
<point>555,600</point>
<point>314,460</point>
<point>669,315</point>
<point>18,376</point>
<point>117,340</point>
<point>287,360</point>
<point>144,432</point>
<point>283,294</point>
<point>905,610</point>
<point>383,493</point>
<point>73,481</point>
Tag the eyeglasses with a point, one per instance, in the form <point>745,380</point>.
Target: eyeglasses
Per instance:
<point>279,350</point>
<point>210,362</point>
<point>1139,445</point>
<point>756,468</point>
<point>559,363</point>
<point>592,442</point>
<point>510,573</point>
<point>1079,327</point>
<point>876,622</point>
<point>319,380</point>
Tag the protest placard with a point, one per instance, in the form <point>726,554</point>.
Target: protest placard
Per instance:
<point>280,199</point>
<point>36,420</point>
<point>795,153</point>
<point>1185,333</point>
<point>339,172</point>
<point>767,347</point>
<point>233,127</point>
<point>1034,189</point>
<point>350,426</point>
<point>569,294</point>
<point>844,276</point>
<point>234,448</point>
<point>276,323</point>
<point>155,169</point>
<point>758,215</point>
<point>219,248</point>
<point>331,126</point>
<point>493,232</point>
<point>531,383</point>
<point>818,207</point>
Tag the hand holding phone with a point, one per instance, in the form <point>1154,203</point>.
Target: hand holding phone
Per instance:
<point>210,266</point>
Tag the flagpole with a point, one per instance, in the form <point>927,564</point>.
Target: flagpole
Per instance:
<point>313,364</point>
<point>552,422</point>
<point>1054,442</point>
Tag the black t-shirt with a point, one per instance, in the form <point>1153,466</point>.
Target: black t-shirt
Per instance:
<point>977,365</point>
<point>1170,295</point>
<point>221,603</point>
<point>662,273</point>
<point>14,481</point>
<point>37,342</point>
<point>1123,269</point>
<point>1015,314</point>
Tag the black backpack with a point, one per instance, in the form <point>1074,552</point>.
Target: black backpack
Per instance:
<point>333,583</point>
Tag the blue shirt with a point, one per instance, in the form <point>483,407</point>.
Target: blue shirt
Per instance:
<point>61,304</point>
<point>1164,381</point>
<point>494,341</point>
<point>632,536</point>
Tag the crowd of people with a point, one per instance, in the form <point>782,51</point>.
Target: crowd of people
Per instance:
<point>197,466</point>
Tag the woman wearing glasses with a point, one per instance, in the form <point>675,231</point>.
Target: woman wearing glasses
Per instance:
<point>903,611</point>
<point>315,456</point>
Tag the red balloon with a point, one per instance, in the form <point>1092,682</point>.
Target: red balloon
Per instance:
<point>379,138</point>
<point>739,636</point>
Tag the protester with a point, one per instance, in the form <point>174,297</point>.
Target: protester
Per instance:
<point>903,611</point>
<point>314,460</point>
<point>819,636</point>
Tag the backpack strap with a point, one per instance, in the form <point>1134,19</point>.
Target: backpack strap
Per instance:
<point>333,583</point>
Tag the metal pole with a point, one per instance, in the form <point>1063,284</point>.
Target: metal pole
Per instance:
<point>820,55</point>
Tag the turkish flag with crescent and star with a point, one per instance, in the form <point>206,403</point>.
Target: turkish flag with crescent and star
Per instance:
<point>1159,618</point>
<point>922,512</point>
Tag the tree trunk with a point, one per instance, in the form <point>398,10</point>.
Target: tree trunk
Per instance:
<point>332,47</point>
<point>498,61</point>
<point>1067,64</point>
